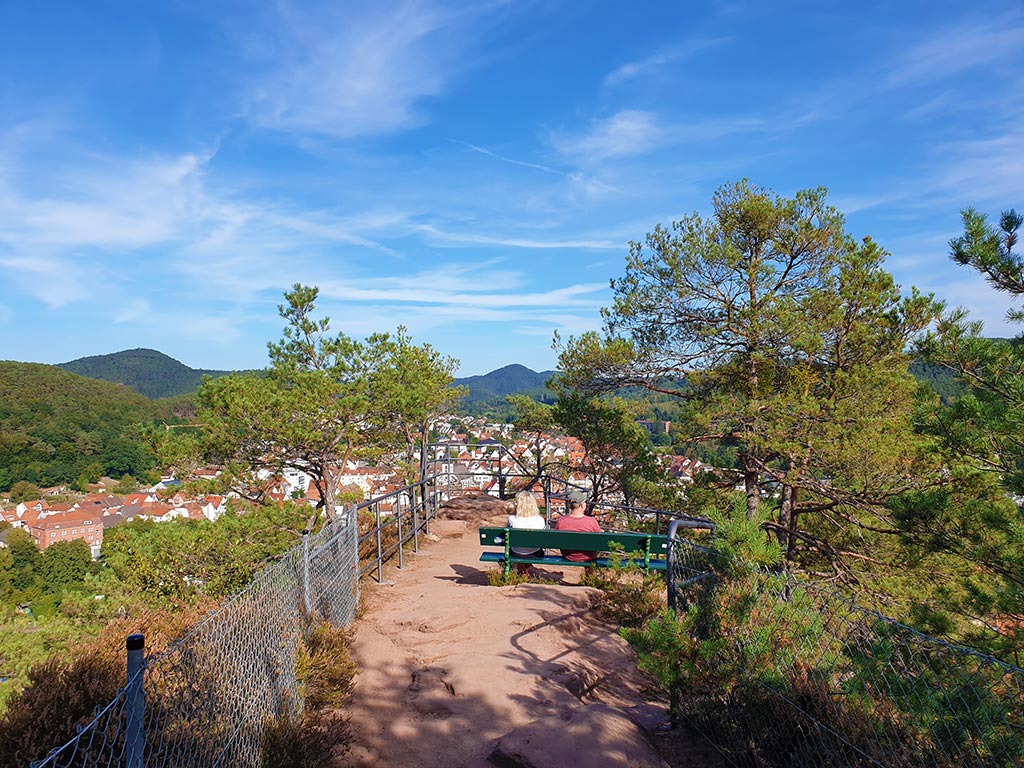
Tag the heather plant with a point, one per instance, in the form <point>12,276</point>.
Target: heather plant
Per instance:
<point>631,596</point>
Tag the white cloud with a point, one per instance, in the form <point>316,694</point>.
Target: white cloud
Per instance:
<point>106,202</point>
<point>347,70</point>
<point>960,48</point>
<point>628,132</point>
<point>983,170</point>
<point>514,242</point>
<point>659,59</point>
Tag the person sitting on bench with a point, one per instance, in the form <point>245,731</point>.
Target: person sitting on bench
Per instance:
<point>527,515</point>
<point>577,520</point>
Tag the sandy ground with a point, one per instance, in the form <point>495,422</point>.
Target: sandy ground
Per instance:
<point>448,665</point>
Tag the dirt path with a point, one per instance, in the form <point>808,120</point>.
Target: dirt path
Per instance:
<point>449,665</point>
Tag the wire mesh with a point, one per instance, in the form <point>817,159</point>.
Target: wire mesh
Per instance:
<point>778,671</point>
<point>210,695</point>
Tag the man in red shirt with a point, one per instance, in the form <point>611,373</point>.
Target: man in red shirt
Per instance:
<point>577,520</point>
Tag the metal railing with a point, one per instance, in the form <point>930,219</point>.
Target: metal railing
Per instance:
<point>494,471</point>
<point>207,699</point>
<point>390,523</point>
<point>778,671</point>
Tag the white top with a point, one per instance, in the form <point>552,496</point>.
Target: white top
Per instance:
<point>530,523</point>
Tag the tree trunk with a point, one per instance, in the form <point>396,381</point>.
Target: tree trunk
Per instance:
<point>785,515</point>
<point>330,486</point>
<point>791,548</point>
<point>751,485</point>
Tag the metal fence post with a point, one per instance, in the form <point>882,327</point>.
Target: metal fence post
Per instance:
<point>353,534</point>
<point>670,564</point>
<point>306,602</point>
<point>135,742</point>
<point>380,551</point>
<point>416,516</point>
<point>401,548</point>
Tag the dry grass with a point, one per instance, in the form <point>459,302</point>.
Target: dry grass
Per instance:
<point>326,672</point>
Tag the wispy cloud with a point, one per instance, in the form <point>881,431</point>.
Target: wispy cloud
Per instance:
<point>628,132</point>
<point>983,170</point>
<point>357,69</point>
<point>960,48</point>
<point>509,160</point>
<point>659,59</point>
<point>463,288</point>
<point>514,242</point>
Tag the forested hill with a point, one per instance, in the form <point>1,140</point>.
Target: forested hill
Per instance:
<point>487,392</point>
<point>56,426</point>
<point>147,371</point>
<point>510,380</point>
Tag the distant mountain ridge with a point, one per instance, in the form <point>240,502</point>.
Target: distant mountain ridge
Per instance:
<point>509,380</point>
<point>156,375</point>
<point>147,371</point>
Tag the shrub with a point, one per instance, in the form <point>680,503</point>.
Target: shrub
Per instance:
<point>64,690</point>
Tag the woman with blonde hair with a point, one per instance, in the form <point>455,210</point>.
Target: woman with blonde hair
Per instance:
<point>527,515</point>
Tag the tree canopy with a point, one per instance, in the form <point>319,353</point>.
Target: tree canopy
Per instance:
<point>976,516</point>
<point>783,336</point>
<point>326,399</point>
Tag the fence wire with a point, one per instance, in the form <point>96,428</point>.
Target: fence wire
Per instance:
<point>210,695</point>
<point>777,671</point>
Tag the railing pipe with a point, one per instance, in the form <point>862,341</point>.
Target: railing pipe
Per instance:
<point>671,556</point>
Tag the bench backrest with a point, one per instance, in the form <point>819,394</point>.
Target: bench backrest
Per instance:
<point>629,541</point>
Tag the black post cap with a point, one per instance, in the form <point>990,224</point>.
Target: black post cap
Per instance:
<point>135,642</point>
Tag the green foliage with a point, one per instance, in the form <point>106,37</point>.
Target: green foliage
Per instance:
<point>186,559</point>
<point>617,451</point>
<point>939,379</point>
<point>66,680</point>
<point>56,426</point>
<point>972,521</point>
<point>784,339</point>
<point>497,578</point>
<point>990,251</point>
<point>305,740</point>
<point>486,396</point>
<point>147,371</point>
<point>756,657</point>
<point>23,490</point>
<point>61,693</point>
<point>631,596</point>
<point>324,667</point>
<point>326,399</point>
<point>25,557</point>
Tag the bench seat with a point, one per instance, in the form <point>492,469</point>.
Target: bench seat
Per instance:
<point>643,550</point>
<point>600,562</point>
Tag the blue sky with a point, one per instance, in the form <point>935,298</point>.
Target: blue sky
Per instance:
<point>473,171</point>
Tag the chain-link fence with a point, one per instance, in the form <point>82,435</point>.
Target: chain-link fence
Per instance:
<point>777,671</point>
<point>207,700</point>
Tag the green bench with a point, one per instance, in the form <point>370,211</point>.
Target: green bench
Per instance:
<point>644,550</point>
